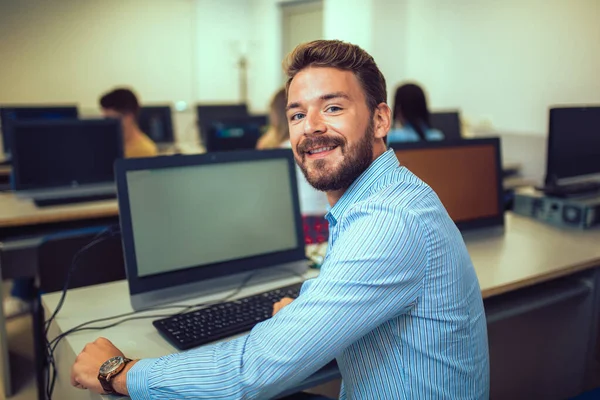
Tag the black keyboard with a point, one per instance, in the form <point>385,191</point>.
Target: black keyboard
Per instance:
<point>58,201</point>
<point>216,322</point>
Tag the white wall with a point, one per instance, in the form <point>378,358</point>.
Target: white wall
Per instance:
<point>265,76</point>
<point>389,41</point>
<point>349,20</point>
<point>223,33</point>
<point>72,51</point>
<point>505,61</point>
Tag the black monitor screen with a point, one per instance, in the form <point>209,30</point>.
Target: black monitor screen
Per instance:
<point>65,153</point>
<point>573,143</point>
<point>240,134</point>
<point>208,114</point>
<point>8,115</point>
<point>448,123</point>
<point>156,122</point>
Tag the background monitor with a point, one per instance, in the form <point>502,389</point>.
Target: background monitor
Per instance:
<point>70,153</point>
<point>466,175</point>
<point>448,123</point>
<point>209,113</point>
<point>234,134</point>
<point>10,114</point>
<point>573,143</point>
<point>183,220</point>
<point>156,122</point>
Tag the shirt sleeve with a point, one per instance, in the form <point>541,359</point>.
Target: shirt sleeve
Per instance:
<point>374,272</point>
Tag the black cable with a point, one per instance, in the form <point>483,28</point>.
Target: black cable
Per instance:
<point>76,328</point>
<point>97,239</point>
<point>50,388</point>
<point>53,344</point>
<point>111,231</point>
<point>186,308</point>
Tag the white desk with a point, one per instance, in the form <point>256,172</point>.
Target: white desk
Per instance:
<point>17,212</point>
<point>527,253</point>
<point>137,339</point>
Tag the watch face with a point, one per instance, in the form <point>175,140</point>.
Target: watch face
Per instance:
<point>110,365</point>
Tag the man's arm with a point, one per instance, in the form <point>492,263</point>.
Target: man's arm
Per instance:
<point>374,273</point>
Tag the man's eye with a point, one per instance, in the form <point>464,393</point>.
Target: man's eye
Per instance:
<point>333,109</point>
<point>297,116</point>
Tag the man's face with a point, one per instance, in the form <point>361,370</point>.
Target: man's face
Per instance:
<point>331,127</point>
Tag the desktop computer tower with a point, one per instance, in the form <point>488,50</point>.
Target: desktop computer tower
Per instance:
<point>577,212</point>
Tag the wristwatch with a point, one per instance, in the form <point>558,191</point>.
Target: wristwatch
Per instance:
<point>111,368</point>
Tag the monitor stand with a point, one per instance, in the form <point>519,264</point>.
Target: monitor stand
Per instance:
<point>572,189</point>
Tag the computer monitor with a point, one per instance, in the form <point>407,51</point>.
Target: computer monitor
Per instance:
<point>573,144</point>
<point>209,113</point>
<point>466,175</point>
<point>196,224</point>
<point>448,123</point>
<point>10,114</point>
<point>156,122</point>
<point>234,134</point>
<point>65,153</point>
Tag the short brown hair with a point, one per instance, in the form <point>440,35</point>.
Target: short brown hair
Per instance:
<point>122,100</point>
<point>340,55</point>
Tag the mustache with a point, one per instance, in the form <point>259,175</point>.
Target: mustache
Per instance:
<point>319,141</point>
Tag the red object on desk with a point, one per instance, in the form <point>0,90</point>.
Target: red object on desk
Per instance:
<point>316,229</point>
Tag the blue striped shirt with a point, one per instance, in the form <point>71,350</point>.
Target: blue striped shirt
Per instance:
<point>397,303</point>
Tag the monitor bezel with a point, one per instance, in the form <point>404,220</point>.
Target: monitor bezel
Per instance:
<point>552,164</point>
<point>486,222</point>
<point>214,144</point>
<point>199,273</point>
<point>455,114</point>
<point>167,112</point>
<point>4,108</point>
<point>207,113</point>
<point>83,123</point>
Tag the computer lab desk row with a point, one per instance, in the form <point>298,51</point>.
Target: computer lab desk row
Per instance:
<point>22,228</point>
<point>539,283</point>
<point>23,225</point>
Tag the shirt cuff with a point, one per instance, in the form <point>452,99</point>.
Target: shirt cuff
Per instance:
<point>138,378</point>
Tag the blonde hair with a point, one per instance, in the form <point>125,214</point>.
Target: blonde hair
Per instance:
<point>279,131</point>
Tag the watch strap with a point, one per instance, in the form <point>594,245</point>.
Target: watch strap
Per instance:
<point>106,381</point>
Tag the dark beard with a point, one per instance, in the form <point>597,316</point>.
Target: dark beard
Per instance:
<point>356,160</point>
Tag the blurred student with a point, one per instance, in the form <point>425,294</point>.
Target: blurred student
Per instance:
<point>278,133</point>
<point>123,104</point>
<point>312,202</point>
<point>411,116</point>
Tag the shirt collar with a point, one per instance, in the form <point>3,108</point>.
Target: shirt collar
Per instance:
<point>362,186</point>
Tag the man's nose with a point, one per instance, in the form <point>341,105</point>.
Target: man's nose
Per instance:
<point>314,124</point>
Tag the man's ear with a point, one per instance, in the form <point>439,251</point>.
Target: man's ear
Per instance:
<point>382,119</point>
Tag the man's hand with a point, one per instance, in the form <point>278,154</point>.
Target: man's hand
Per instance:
<point>281,303</point>
<point>84,374</point>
